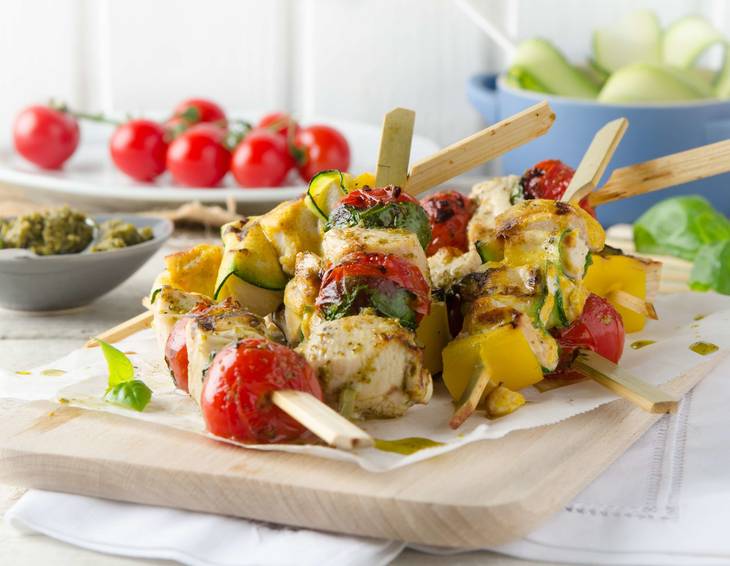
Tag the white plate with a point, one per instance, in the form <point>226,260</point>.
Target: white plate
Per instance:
<point>90,179</point>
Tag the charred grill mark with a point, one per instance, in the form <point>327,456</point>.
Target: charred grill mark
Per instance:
<point>562,208</point>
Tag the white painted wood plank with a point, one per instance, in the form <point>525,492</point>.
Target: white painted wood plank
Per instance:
<point>37,48</point>
<point>233,51</point>
<point>360,59</point>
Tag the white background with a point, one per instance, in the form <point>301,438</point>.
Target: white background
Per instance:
<point>343,58</point>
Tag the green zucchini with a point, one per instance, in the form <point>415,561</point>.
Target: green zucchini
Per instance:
<point>649,82</point>
<point>324,192</point>
<point>635,39</point>
<point>538,65</point>
<point>250,256</point>
<point>489,251</point>
<point>687,39</point>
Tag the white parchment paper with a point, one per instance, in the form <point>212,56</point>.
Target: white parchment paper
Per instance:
<point>685,318</point>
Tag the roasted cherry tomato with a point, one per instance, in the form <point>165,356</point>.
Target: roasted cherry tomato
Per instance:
<point>548,180</point>
<point>261,160</point>
<point>279,122</point>
<point>45,136</point>
<point>198,157</point>
<point>236,400</point>
<point>449,213</point>
<point>176,354</point>
<point>392,286</point>
<point>321,147</point>
<point>195,110</point>
<point>599,328</point>
<point>139,149</point>
<point>386,207</point>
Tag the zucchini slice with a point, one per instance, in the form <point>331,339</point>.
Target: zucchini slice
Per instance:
<point>687,39</point>
<point>635,39</point>
<point>489,250</point>
<point>538,65</point>
<point>324,192</point>
<point>249,256</point>
<point>647,82</point>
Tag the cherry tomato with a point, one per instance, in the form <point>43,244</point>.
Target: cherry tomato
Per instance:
<point>279,122</point>
<point>362,199</point>
<point>236,400</point>
<point>138,148</point>
<point>374,280</point>
<point>548,180</point>
<point>198,157</point>
<point>261,160</point>
<point>449,213</point>
<point>599,328</point>
<point>176,354</point>
<point>195,110</point>
<point>45,136</point>
<point>321,147</point>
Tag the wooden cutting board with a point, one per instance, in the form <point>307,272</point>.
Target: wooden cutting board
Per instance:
<point>483,494</point>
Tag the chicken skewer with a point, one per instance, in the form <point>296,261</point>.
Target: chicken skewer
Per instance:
<point>372,295</point>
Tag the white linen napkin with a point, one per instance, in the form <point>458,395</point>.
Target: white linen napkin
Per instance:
<point>195,539</point>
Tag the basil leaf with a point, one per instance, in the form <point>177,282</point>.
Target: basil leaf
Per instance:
<point>712,269</point>
<point>130,394</point>
<point>120,367</point>
<point>408,216</point>
<point>680,226</point>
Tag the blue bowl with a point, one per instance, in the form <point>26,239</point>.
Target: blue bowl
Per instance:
<point>654,130</point>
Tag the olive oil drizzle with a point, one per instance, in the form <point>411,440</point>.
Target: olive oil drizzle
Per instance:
<point>642,344</point>
<point>704,348</point>
<point>406,446</point>
<point>53,372</point>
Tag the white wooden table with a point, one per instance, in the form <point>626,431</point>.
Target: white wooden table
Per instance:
<point>28,340</point>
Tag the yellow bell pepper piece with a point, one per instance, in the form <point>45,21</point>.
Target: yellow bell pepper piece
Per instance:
<point>504,352</point>
<point>362,180</point>
<point>619,273</point>
<point>503,401</point>
<point>433,334</point>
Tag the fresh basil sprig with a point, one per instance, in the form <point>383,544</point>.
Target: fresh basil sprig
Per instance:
<point>123,389</point>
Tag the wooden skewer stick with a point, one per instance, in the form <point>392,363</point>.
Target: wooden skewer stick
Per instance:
<point>470,398</point>
<point>663,172</point>
<point>633,303</point>
<point>595,160</point>
<point>480,148</point>
<point>608,374</point>
<point>395,148</point>
<point>323,421</point>
<point>121,331</point>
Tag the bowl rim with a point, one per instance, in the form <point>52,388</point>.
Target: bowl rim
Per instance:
<point>478,81</point>
<point>166,229</point>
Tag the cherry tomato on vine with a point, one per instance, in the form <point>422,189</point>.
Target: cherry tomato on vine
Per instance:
<point>199,157</point>
<point>261,160</point>
<point>139,149</point>
<point>236,400</point>
<point>45,136</point>
<point>195,110</point>
<point>279,122</point>
<point>322,147</point>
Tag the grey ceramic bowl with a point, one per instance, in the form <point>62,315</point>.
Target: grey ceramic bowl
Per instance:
<point>41,283</point>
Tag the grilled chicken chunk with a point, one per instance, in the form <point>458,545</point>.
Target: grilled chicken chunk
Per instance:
<point>492,197</point>
<point>368,366</point>
<point>449,265</point>
<point>340,242</point>
<point>168,306</point>
<point>300,295</point>
<point>206,334</point>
